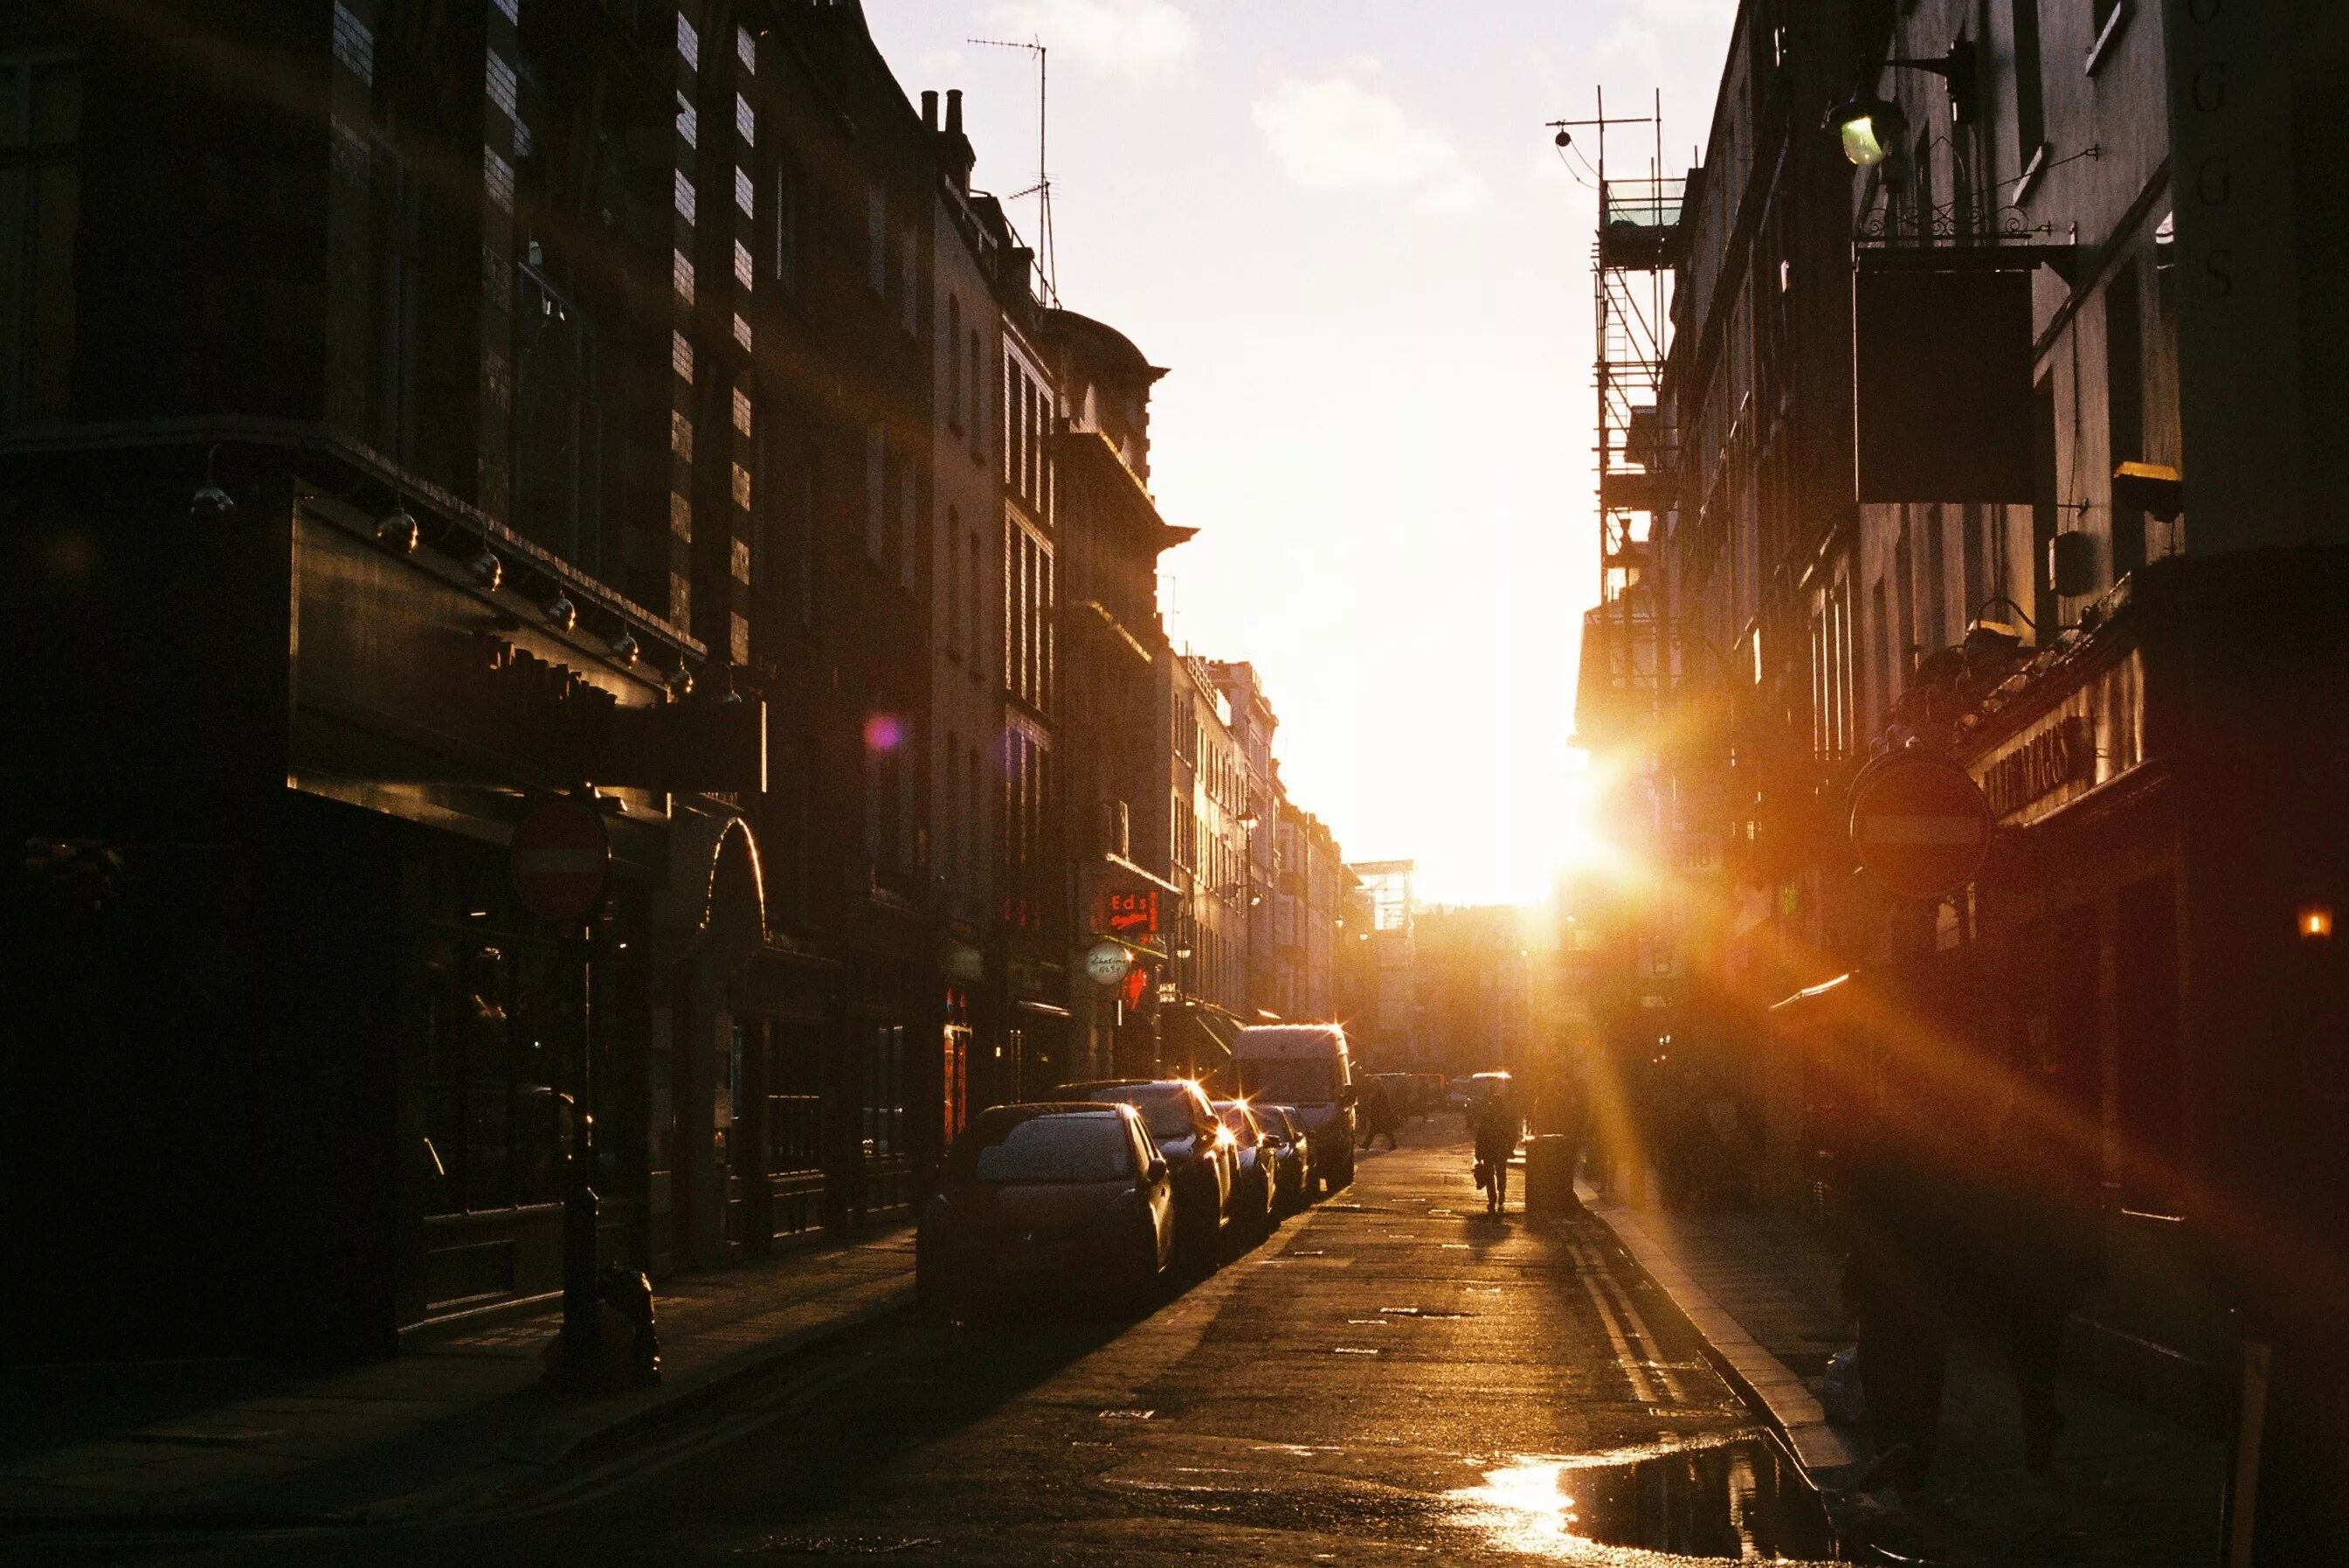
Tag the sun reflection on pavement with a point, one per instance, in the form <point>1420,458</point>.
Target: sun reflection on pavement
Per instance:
<point>1529,1506</point>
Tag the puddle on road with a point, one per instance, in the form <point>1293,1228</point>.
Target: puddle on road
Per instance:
<point>1740,1498</point>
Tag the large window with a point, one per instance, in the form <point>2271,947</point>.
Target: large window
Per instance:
<point>2030,107</point>
<point>501,1044</point>
<point>885,1093</point>
<point>40,206</point>
<point>2124,404</point>
<point>554,422</point>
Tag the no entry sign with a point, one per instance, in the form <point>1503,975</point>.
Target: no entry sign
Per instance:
<point>1921,827</point>
<point>561,859</point>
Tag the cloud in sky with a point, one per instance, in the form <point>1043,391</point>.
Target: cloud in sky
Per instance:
<point>1139,39</point>
<point>1336,134</point>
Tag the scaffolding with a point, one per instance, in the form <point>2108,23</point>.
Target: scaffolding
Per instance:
<point>1625,646</point>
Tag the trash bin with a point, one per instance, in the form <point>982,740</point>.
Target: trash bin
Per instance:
<point>1549,1175</point>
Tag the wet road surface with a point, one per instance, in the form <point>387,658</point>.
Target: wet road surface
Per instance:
<point>1392,1377</point>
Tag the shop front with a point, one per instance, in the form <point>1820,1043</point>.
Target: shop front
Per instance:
<point>2154,968</point>
<point>330,1071</point>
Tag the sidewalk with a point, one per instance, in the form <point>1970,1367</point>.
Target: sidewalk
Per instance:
<point>452,1422</point>
<point>2127,1487</point>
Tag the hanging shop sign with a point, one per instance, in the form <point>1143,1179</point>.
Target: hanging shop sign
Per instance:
<point>1920,827</point>
<point>1106,962</point>
<point>561,860</point>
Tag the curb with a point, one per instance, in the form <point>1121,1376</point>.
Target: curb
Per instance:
<point>590,1433</point>
<point>1766,1384</point>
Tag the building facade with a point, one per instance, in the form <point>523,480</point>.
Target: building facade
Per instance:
<point>2048,511</point>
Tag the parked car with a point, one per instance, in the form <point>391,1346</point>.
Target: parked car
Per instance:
<point>1306,1067</point>
<point>1200,1153</point>
<point>1073,1198</point>
<point>1253,1208</point>
<point>1292,1156</point>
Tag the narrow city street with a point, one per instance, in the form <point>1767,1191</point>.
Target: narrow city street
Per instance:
<point>1392,1377</point>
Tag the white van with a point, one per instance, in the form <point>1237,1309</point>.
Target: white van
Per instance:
<point>1304,1065</point>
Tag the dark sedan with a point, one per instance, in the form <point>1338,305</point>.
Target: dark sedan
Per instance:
<point>1253,1205</point>
<point>1292,1155</point>
<point>1071,1197</point>
<point>1198,1149</point>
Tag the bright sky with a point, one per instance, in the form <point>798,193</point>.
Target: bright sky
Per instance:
<point>1342,225</point>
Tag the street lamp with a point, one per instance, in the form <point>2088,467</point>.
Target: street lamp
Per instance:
<point>1871,127</point>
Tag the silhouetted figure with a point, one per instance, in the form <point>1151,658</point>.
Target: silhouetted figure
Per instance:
<point>1494,1121</point>
<point>1378,1115</point>
<point>2040,1255</point>
<point>1897,1284</point>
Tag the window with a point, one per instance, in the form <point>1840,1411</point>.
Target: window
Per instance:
<point>499,1021</point>
<point>1904,573</point>
<point>954,364</point>
<point>908,857</point>
<point>876,501</point>
<point>955,585</point>
<point>787,228</point>
<point>977,396</point>
<point>972,613</point>
<point>885,1093</point>
<point>950,808</point>
<point>909,285</point>
<point>877,240</point>
<point>553,461</point>
<point>40,207</point>
<point>2030,106</point>
<point>971,798</point>
<point>908,531</point>
<point>2124,404</point>
<point>397,247</point>
<point>803,499</point>
<point>1935,615</point>
<point>1973,542</point>
<point>2151,1075</point>
<point>2045,508</point>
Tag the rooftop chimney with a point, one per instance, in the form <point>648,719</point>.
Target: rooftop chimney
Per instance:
<point>955,149</point>
<point>930,111</point>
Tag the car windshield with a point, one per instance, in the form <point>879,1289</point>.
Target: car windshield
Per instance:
<point>1296,1080</point>
<point>1165,1108</point>
<point>1236,1117</point>
<point>1047,1149</point>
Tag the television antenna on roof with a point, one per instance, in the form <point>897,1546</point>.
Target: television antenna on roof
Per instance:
<point>1046,262</point>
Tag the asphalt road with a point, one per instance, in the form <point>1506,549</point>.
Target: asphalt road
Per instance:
<point>1392,1377</point>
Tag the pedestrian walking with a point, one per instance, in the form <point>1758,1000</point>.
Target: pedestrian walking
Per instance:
<point>1494,1120</point>
<point>1897,1285</point>
<point>2041,1254</point>
<point>1378,1115</point>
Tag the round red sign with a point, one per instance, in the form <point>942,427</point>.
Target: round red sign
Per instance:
<point>561,859</point>
<point>1921,827</point>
